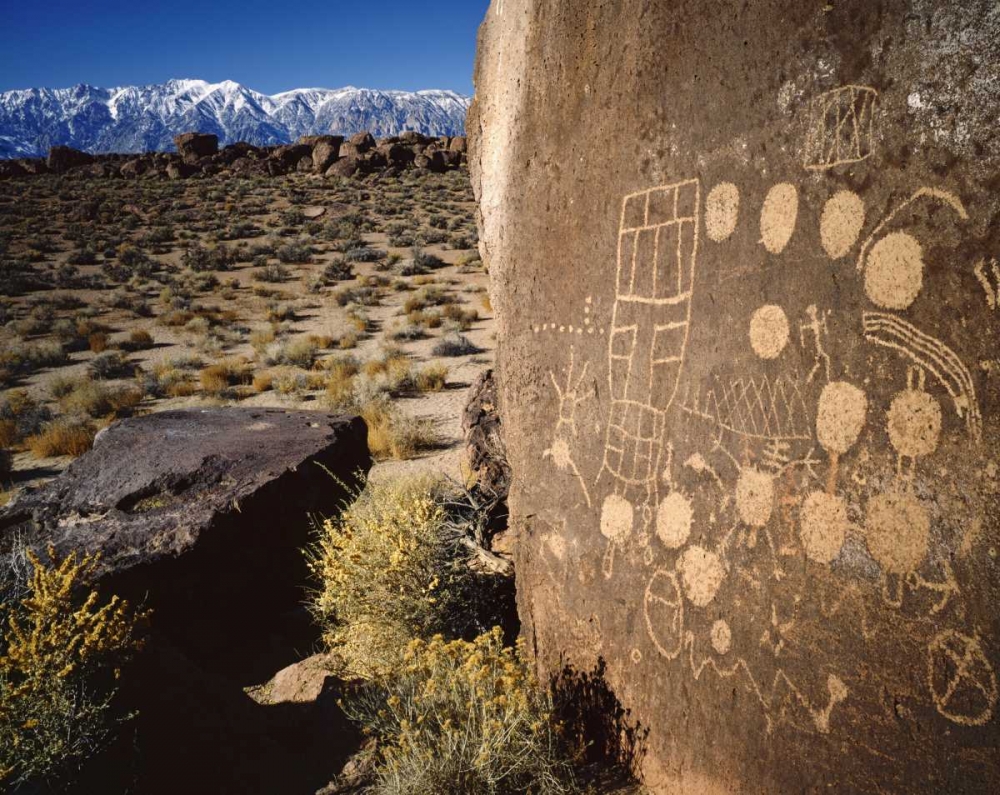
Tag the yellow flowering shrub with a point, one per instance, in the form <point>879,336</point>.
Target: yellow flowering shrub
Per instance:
<point>61,649</point>
<point>463,717</point>
<point>389,570</point>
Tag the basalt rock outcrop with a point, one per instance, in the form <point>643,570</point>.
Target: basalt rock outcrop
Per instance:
<point>198,155</point>
<point>749,376</point>
<point>63,158</point>
<point>192,146</point>
<point>201,515</point>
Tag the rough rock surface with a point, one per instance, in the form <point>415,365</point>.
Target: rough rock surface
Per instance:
<point>62,158</point>
<point>484,442</point>
<point>200,514</point>
<point>192,146</point>
<point>199,155</point>
<point>749,373</point>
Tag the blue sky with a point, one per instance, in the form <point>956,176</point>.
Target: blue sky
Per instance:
<point>269,46</point>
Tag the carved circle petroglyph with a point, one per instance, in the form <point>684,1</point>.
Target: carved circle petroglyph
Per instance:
<point>673,520</point>
<point>841,222</point>
<point>823,527</point>
<point>722,208</point>
<point>914,423</point>
<point>895,271</point>
<point>701,574</point>
<point>663,609</point>
<point>897,530</point>
<point>721,636</point>
<point>778,216</point>
<point>769,331</point>
<point>755,497</point>
<point>616,518</point>
<point>962,682</point>
<point>840,416</point>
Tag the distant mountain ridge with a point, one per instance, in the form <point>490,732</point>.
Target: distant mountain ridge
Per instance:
<point>135,119</point>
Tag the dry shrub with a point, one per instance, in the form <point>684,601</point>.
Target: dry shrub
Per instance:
<point>218,378</point>
<point>393,434</point>
<point>461,318</point>
<point>395,368</point>
<point>21,415</point>
<point>61,652</point>
<point>389,572</point>
<point>262,382</point>
<point>61,437</point>
<point>297,352</point>
<point>98,342</point>
<point>347,341</point>
<point>432,378</point>
<point>463,717</point>
<point>181,389</point>
<point>95,399</point>
<point>8,433</point>
<point>139,339</point>
<point>261,338</point>
<point>340,381</point>
<point>289,382</point>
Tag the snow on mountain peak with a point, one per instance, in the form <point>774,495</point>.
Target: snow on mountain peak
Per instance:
<point>144,118</point>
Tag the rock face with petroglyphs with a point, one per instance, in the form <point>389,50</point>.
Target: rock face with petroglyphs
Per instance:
<point>749,376</point>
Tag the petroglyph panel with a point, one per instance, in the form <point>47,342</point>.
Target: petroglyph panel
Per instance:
<point>749,352</point>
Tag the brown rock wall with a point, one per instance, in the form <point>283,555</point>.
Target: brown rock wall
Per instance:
<point>743,261</point>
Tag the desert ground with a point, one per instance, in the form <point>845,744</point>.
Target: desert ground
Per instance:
<point>126,297</point>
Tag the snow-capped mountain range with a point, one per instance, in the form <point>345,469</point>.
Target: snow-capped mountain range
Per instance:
<point>146,118</point>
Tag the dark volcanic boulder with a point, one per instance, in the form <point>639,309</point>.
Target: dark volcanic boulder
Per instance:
<point>396,154</point>
<point>181,170</point>
<point>290,155</point>
<point>200,514</point>
<point>11,168</point>
<point>135,167</point>
<point>193,146</point>
<point>326,150</point>
<point>748,375</point>
<point>62,158</point>
<point>34,165</point>
<point>345,167</point>
<point>362,141</point>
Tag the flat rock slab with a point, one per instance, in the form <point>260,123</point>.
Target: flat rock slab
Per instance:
<point>200,514</point>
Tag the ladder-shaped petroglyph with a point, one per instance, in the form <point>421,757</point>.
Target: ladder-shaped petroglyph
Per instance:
<point>841,127</point>
<point>890,331</point>
<point>655,277</point>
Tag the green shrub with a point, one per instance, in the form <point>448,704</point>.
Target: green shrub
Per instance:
<point>61,651</point>
<point>463,717</point>
<point>390,571</point>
